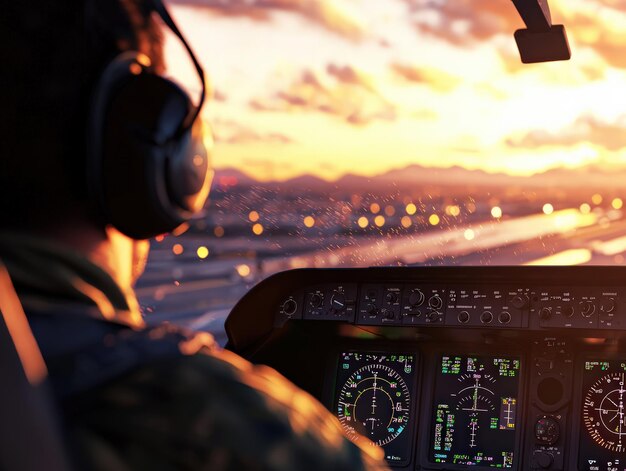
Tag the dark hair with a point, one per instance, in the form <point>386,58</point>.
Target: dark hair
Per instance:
<point>55,51</point>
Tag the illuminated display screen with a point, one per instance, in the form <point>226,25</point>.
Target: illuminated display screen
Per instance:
<point>603,435</point>
<point>475,411</point>
<point>374,400</point>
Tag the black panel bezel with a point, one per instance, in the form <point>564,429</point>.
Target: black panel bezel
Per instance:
<point>432,359</point>
<point>383,347</point>
<point>578,398</point>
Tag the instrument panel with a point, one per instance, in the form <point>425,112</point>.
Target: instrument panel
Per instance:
<point>475,368</point>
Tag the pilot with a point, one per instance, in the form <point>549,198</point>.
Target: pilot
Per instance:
<point>100,151</point>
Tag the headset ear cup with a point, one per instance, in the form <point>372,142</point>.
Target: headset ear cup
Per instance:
<point>189,169</point>
<point>142,152</point>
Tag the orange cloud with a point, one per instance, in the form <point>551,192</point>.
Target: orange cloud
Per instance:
<point>463,21</point>
<point>231,132</point>
<point>325,13</point>
<point>434,78</point>
<point>586,129</point>
<point>343,92</point>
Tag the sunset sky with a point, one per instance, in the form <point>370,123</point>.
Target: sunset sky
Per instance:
<point>363,86</point>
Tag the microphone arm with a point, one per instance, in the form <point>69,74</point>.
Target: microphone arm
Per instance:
<point>541,41</point>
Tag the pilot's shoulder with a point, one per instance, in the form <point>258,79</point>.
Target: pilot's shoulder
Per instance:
<point>216,409</point>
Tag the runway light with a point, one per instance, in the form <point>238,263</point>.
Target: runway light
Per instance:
<point>406,222</point>
<point>202,252</point>
<point>177,249</point>
<point>411,209</point>
<point>433,219</point>
<point>218,231</point>
<point>496,212</point>
<point>362,222</point>
<point>253,216</point>
<point>548,208</point>
<point>585,208</point>
<point>243,270</point>
<point>309,221</point>
<point>469,234</point>
<point>379,220</point>
<point>374,208</point>
<point>617,203</point>
<point>453,210</point>
<point>596,199</point>
<point>257,229</point>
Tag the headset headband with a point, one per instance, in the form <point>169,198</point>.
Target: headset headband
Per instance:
<point>159,7</point>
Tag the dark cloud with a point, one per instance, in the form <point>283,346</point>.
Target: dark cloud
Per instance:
<point>342,91</point>
<point>586,129</point>
<point>350,75</point>
<point>324,13</point>
<point>462,22</point>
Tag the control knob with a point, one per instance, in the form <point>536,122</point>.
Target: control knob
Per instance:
<point>547,430</point>
<point>587,308</point>
<point>372,310</point>
<point>545,314</point>
<point>519,301</point>
<point>316,300</point>
<point>435,302</point>
<point>391,297</point>
<point>289,307</point>
<point>544,459</point>
<point>338,302</point>
<point>416,298</point>
<point>608,305</point>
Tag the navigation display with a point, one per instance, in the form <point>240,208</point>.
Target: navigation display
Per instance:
<point>603,438</point>
<point>374,400</point>
<point>475,411</point>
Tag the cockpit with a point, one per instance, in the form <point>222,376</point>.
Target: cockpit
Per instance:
<point>417,217</point>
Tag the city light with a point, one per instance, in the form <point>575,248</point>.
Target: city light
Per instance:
<point>433,219</point>
<point>469,234</point>
<point>596,199</point>
<point>257,229</point>
<point>218,231</point>
<point>363,222</point>
<point>406,221</point>
<point>496,212</point>
<point>585,208</point>
<point>177,249</point>
<point>617,203</point>
<point>309,221</point>
<point>374,208</point>
<point>253,216</point>
<point>411,209</point>
<point>243,270</point>
<point>548,208</point>
<point>202,252</point>
<point>390,210</point>
<point>379,220</point>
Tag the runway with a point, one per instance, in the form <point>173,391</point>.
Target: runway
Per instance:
<point>200,293</point>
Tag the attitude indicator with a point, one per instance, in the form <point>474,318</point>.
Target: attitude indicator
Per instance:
<point>374,400</point>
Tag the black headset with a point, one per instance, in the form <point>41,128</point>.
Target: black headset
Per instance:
<point>147,165</point>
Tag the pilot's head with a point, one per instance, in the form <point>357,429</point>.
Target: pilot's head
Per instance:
<point>92,136</point>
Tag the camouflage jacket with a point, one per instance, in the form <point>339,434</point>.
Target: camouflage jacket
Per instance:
<point>184,405</point>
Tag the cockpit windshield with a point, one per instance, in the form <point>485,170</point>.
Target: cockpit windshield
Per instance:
<point>354,133</point>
